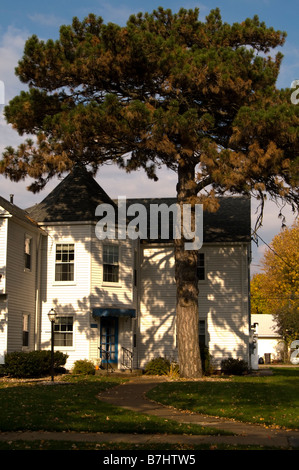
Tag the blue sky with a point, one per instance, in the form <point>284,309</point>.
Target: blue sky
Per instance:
<point>19,20</point>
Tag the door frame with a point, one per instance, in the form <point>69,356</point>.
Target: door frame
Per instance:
<point>103,321</point>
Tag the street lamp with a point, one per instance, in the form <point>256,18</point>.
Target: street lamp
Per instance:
<point>52,318</point>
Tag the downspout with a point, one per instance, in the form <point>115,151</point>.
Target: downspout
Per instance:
<point>37,294</point>
<point>249,257</point>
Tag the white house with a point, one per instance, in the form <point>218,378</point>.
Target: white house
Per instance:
<point>20,249</point>
<point>117,295</point>
<point>270,346</point>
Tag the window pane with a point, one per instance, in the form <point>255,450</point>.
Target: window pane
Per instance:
<point>64,269</point>
<point>110,254</point>
<point>110,263</point>
<point>27,251</point>
<point>202,332</point>
<point>201,266</point>
<point>110,273</point>
<point>25,330</point>
<point>64,272</point>
<point>27,261</point>
<point>63,331</point>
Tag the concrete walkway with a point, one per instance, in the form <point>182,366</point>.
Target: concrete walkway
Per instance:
<point>131,395</point>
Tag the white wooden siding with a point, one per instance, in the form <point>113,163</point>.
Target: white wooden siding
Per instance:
<point>87,291</point>
<point>3,329</point>
<point>68,298</point>
<point>223,302</point>
<point>20,284</point>
<point>156,335</point>
<point>109,294</point>
<point>3,253</point>
<point>3,299</point>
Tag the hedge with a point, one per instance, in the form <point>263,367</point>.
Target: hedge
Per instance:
<point>32,364</point>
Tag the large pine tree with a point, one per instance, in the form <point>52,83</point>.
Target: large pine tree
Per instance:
<point>166,89</point>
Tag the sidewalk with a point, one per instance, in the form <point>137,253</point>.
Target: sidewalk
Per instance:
<point>131,395</point>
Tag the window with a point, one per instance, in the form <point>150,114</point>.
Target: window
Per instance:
<point>26,324</point>
<point>110,263</point>
<point>64,262</point>
<point>201,267</point>
<point>27,252</point>
<point>63,331</point>
<point>202,332</point>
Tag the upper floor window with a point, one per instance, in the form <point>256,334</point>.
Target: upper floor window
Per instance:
<point>201,272</point>
<point>64,262</point>
<point>110,263</point>
<point>27,252</point>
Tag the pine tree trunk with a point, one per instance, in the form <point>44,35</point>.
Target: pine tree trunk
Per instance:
<point>187,315</point>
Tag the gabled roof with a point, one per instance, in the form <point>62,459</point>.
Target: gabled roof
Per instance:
<point>74,199</point>
<point>17,212</point>
<point>230,223</point>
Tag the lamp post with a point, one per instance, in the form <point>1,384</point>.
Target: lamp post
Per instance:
<point>52,318</point>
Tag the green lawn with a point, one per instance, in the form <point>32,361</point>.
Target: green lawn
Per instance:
<point>270,400</point>
<point>75,406</point>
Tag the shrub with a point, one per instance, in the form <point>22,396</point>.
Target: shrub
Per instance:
<point>84,367</point>
<point>158,366</point>
<point>174,371</point>
<point>32,364</point>
<point>233,366</point>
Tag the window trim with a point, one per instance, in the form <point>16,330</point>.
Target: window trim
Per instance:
<point>70,282</point>
<point>112,283</point>
<point>202,321</point>
<point>65,347</point>
<point>28,255</point>
<point>204,266</point>
<point>26,320</point>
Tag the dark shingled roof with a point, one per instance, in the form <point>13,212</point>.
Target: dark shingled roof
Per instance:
<point>74,199</point>
<point>230,223</point>
<point>78,195</point>
<point>17,212</point>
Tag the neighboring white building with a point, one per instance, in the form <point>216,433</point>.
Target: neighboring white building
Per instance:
<point>20,251</point>
<point>270,346</point>
<point>117,295</point>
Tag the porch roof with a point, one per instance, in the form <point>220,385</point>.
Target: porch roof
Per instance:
<point>113,312</point>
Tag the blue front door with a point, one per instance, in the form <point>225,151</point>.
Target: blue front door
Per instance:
<point>109,340</point>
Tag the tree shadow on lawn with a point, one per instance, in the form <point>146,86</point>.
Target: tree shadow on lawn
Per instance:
<point>76,407</point>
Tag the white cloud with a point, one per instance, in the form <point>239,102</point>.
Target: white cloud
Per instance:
<point>12,44</point>
<point>11,49</point>
<point>46,20</point>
